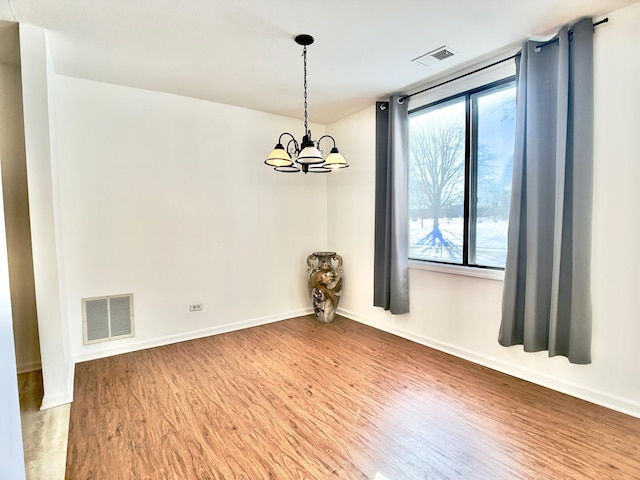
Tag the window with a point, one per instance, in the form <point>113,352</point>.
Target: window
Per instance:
<point>460,164</point>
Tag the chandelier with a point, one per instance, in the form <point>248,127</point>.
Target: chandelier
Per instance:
<point>307,153</point>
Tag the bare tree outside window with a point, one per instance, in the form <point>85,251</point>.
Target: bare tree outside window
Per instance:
<point>436,178</point>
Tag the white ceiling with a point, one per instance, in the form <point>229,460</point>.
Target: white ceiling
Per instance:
<point>242,52</point>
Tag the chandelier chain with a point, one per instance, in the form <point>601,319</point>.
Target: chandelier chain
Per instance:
<point>306,125</point>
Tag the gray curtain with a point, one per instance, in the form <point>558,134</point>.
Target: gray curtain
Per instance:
<point>391,254</point>
<point>547,287</point>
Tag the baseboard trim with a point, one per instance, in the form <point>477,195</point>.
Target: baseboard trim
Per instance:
<point>27,367</point>
<point>597,397</point>
<point>56,399</point>
<point>71,375</point>
<point>51,400</point>
<point>111,350</point>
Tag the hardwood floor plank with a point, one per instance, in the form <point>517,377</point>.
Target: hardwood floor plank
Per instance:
<point>302,400</point>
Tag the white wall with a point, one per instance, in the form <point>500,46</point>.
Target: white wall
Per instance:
<point>616,222</point>
<point>12,222</point>
<point>57,366</point>
<point>16,209</point>
<point>167,197</point>
<point>461,315</point>
<point>10,429</point>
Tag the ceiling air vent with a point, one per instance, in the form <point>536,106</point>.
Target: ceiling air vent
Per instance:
<point>434,56</point>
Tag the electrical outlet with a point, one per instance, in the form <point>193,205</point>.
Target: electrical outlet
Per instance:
<point>195,307</point>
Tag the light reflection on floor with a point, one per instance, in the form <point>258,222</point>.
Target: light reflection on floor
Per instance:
<point>424,435</point>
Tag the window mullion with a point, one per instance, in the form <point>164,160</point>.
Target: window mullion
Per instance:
<point>467,176</point>
<point>473,181</point>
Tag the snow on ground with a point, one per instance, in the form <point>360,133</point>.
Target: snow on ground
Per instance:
<point>491,242</point>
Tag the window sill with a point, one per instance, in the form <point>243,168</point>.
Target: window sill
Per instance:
<point>457,270</point>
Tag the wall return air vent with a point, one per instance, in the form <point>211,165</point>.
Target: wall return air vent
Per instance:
<point>440,53</point>
<point>107,318</point>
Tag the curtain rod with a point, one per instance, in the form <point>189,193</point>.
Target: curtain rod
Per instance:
<point>402,98</point>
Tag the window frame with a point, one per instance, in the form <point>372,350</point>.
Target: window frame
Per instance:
<point>470,181</point>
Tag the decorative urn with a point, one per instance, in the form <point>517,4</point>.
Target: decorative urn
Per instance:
<point>324,271</point>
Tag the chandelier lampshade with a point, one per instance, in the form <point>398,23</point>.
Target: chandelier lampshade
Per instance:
<point>310,154</point>
<point>278,157</point>
<point>335,160</point>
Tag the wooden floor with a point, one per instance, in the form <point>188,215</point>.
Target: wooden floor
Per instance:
<point>302,400</point>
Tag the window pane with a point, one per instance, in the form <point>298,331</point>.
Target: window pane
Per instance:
<point>495,141</point>
<point>436,182</point>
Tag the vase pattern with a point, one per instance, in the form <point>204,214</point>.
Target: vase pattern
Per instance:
<point>324,270</point>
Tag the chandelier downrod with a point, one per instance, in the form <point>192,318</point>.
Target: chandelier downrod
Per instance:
<point>305,40</point>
